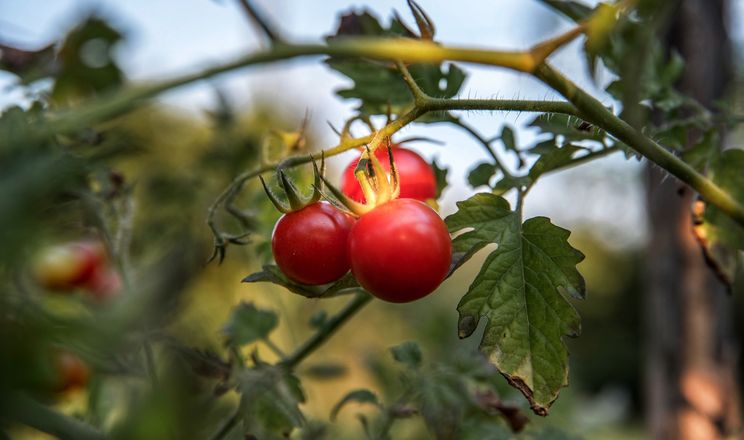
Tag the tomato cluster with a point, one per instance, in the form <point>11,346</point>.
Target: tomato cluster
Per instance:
<point>399,251</point>
<point>77,265</point>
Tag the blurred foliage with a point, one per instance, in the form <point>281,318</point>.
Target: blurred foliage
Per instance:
<point>187,351</point>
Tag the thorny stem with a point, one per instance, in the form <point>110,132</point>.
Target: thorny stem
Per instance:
<point>604,118</point>
<point>404,50</point>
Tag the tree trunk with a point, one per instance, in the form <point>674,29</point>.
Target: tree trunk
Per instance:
<point>691,382</point>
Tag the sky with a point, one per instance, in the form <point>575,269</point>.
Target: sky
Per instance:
<point>166,38</point>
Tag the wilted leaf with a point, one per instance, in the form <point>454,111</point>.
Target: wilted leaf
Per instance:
<point>722,238</point>
<point>248,324</point>
<point>520,290</point>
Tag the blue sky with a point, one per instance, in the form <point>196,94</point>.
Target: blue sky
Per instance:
<point>168,38</point>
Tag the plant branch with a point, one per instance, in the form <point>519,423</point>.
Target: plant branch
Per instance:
<point>31,413</point>
<point>327,330</point>
<point>604,118</point>
<point>487,145</point>
<point>261,22</point>
<point>419,96</point>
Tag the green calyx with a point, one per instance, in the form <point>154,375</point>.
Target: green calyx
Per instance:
<point>295,201</point>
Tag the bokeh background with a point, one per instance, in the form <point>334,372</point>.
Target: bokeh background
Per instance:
<point>602,203</point>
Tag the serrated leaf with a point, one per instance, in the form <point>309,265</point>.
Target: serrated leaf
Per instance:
<point>249,324</point>
<point>358,396</point>
<point>481,174</point>
<point>407,353</point>
<point>520,290</point>
<point>272,274</point>
<point>722,238</point>
<point>269,402</point>
<point>378,85</point>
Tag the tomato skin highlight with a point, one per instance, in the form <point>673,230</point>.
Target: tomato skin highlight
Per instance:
<point>310,245</point>
<point>417,180</point>
<point>400,251</point>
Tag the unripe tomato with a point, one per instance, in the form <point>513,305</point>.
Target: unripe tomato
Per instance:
<point>417,180</point>
<point>310,245</point>
<point>65,267</point>
<point>400,251</point>
<point>72,373</point>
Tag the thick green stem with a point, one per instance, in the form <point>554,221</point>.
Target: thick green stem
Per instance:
<point>599,115</point>
<point>31,413</point>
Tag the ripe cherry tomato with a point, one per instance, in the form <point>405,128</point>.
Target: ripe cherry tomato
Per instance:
<point>417,180</point>
<point>310,245</point>
<point>400,251</point>
<point>70,265</point>
<point>72,373</point>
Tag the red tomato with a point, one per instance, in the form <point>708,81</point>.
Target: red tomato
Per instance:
<point>400,251</point>
<point>417,180</point>
<point>70,265</point>
<point>72,373</point>
<point>310,245</point>
<point>104,284</point>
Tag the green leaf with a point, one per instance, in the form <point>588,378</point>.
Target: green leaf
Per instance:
<point>520,290</point>
<point>440,175</point>
<point>700,154</point>
<point>552,160</point>
<point>508,138</point>
<point>248,324</point>
<point>87,66</point>
<point>721,238</point>
<point>574,10</point>
<point>272,274</point>
<point>378,85</point>
<point>571,127</point>
<point>358,396</point>
<point>269,402</point>
<point>481,174</point>
<point>407,353</point>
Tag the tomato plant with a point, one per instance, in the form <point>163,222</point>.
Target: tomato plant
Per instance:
<point>310,245</point>
<point>400,251</point>
<point>417,180</point>
<point>170,367</point>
